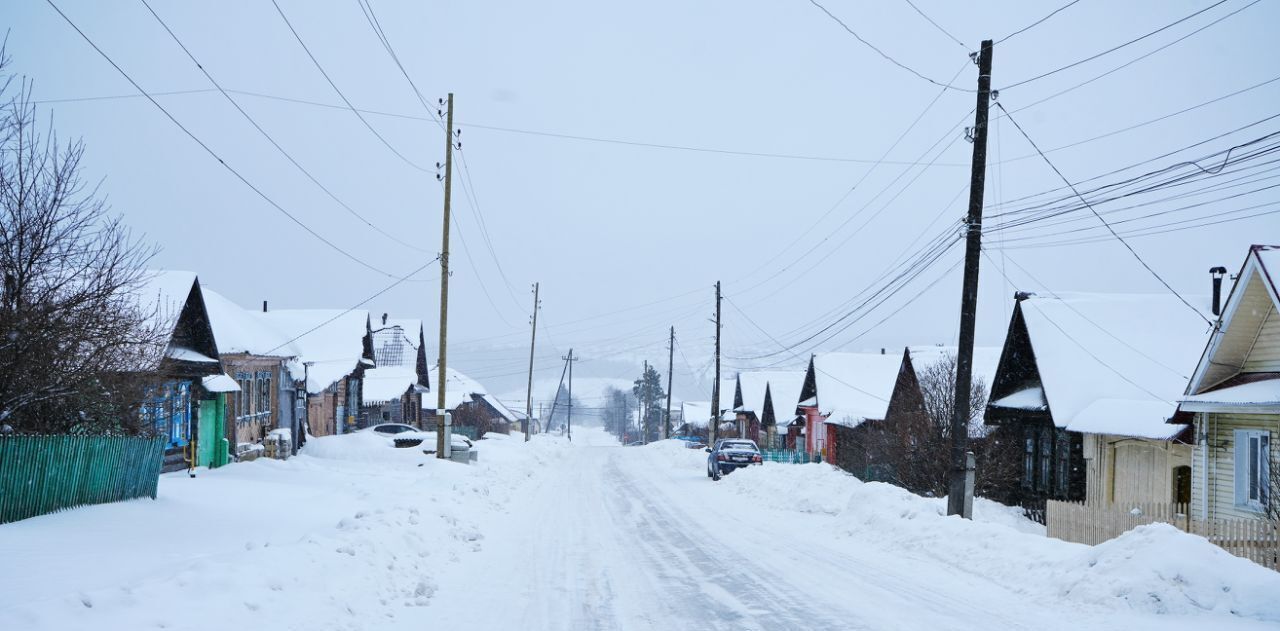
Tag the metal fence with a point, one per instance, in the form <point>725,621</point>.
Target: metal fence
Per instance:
<point>786,456</point>
<point>45,474</point>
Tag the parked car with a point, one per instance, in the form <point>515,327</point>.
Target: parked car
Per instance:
<point>389,430</point>
<point>730,454</point>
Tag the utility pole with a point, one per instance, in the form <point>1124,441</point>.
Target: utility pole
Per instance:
<point>671,355</point>
<point>956,496</point>
<point>444,285</point>
<point>533,339</point>
<point>569,360</point>
<point>715,388</point>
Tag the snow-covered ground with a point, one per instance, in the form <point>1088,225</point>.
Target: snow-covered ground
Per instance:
<point>552,535</point>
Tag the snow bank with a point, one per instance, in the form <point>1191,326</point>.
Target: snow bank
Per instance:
<point>351,534</point>
<point>1154,569</point>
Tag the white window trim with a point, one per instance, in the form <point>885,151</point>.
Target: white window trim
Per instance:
<point>1241,468</point>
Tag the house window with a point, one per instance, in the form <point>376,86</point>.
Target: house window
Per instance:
<point>168,410</point>
<point>1252,468</point>
<point>1029,460</point>
<point>1046,460</point>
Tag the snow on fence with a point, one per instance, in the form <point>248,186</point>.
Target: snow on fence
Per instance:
<point>45,474</point>
<point>1255,539</point>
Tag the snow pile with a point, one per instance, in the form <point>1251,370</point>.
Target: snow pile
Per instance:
<point>351,534</point>
<point>1153,569</point>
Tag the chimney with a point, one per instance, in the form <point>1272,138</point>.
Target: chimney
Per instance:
<point>881,351</point>
<point>264,306</point>
<point>1217,273</point>
<point>384,319</point>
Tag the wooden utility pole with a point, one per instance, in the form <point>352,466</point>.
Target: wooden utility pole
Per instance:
<point>956,496</point>
<point>533,339</point>
<point>569,360</point>
<point>715,388</point>
<point>671,355</point>
<point>444,284</point>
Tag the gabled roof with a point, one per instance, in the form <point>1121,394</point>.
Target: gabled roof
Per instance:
<point>1107,363</point>
<point>174,308</point>
<point>695,413</point>
<point>985,360</point>
<point>853,387</point>
<point>784,392</point>
<point>1229,376</point>
<point>330,340</point>
<point>395,342</point>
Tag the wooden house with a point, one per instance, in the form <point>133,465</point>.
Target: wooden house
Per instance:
<point>257,356</point>
<point>1234,400</point>
<point>765,404</point>
<point>334,349</point>
<point>840,393</point>
<point>182,406</point>
<point>694,418</point>
<point>394,390</point>
<point>1090,381</point>
<point>475,412</point>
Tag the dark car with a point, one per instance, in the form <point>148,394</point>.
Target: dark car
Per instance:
<point>730,454</point>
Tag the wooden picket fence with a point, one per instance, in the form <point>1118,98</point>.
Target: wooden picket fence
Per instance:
<point>1255,539</point>
<point>46,474</point>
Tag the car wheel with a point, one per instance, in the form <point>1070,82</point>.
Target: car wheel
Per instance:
<point>716,475</point>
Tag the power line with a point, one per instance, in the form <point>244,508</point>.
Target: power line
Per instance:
<point>272,140</point>
<point>1115,48</point>
<point>883,54</point>
<point>353,307</point>
<point>1037,22</point>
<point>1099,216</point>
<point>936,25</point>
<point>342,96</point>
<point>1136,59</point>
<point>210,151</point>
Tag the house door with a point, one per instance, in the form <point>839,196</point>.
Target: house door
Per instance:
<point>207,442</point>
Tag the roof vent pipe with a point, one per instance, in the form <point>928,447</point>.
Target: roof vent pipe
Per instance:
<point>264,306</point>
<point>1217,273</point>
<point>384,319</point>
<point>882,351</point>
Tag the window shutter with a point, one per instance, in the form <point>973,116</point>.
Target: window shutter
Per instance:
<point>1241,466</point>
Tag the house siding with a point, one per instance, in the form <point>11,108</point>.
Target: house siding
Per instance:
<point>1213,470</point>
<point>1265,354</point>
<point>1121,469</point>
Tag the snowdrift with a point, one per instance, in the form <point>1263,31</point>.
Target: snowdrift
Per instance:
<point>1152,569</point>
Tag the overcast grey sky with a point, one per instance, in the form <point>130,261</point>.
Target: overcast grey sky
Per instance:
<point>628,240</point>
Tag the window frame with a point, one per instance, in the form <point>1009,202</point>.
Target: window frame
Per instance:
<point>1252,468</point>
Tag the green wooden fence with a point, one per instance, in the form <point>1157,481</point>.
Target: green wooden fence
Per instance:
<point>45,474</point>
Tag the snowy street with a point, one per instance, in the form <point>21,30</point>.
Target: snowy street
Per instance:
<point>588,535</point>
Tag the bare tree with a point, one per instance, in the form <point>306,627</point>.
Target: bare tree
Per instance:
<point>912,448</point>
<point>77,336</point>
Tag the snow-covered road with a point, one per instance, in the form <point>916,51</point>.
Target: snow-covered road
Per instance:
<point>619,538</point>
<point>551,535</point>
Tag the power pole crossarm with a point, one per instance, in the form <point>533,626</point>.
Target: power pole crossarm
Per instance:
<point>956,504</point>
<point>444,285</point>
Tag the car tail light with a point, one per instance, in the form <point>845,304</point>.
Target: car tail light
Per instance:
<point>757,459</point>
<point>721,457</point>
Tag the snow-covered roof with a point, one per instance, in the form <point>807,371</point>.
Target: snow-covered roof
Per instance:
<point>240,330</point>
<point>458,389</point>
<point>854,387</point>
<point>220,383</point>
<point>162,295</point>
<point>985,360</point>
<point>1031,398</point>
<point>388,383</point>
<point>1262,395</point>
<point>330,340</point>
<point>501,407</point>
<point>695,413</point>
<point>784,392</point>
<point>1114,363</point>
<point>395,342</point>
